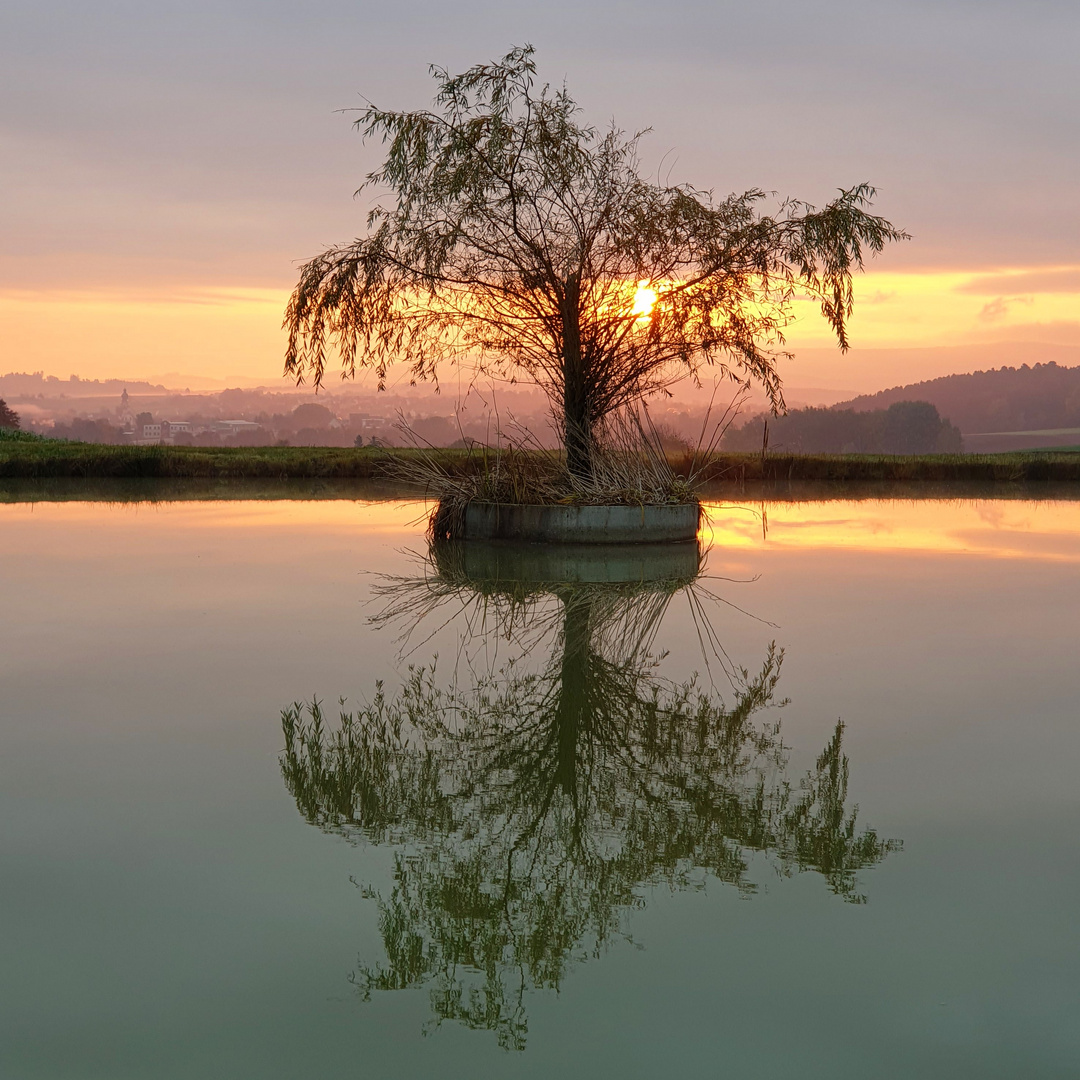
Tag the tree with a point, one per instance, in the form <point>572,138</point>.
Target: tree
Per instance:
<point>9,418</point>
<point>83,429</point>
<point>311,415</point>
<point>532,808</point>
<point>905,427</point>
<point>522,238</point>
<point>914,427</point>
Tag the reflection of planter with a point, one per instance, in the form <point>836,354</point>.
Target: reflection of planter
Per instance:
<point>580,524</point>
<point>490,564</point>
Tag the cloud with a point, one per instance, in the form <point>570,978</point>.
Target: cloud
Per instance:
<point>999,308</point>
<point>1060,332</point>
<point>201,138</point>
<point>1058,279</point>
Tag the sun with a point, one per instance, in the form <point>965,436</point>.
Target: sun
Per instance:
<point>644,300</point>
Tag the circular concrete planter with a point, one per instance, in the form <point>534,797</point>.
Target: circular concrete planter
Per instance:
<point>581,524</point>
<point>500,563</point>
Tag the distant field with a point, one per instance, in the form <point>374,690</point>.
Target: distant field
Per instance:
<point>40,459</point>
<point>1045,439</point>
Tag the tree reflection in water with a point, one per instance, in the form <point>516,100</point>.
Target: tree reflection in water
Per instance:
<point>533,808</point>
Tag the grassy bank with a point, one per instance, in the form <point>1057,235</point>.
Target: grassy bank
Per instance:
<point>122,490</point>
<point>49,458</point>
<point>44,459</point>
<point>1011,468</point>
<point>148,489</point>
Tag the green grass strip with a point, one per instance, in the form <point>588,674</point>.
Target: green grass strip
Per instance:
<point>45,458</point>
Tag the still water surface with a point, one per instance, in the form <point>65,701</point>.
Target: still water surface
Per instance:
<point>849,848</point>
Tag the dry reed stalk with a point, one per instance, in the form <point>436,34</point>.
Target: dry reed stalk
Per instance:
<point>630,468</point>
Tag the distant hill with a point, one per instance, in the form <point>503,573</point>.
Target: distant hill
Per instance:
<point>1041,397</point>
<point>31,384</point>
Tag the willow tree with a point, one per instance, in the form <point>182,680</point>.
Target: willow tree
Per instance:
<point>531,808</point>
<point>516,236</point>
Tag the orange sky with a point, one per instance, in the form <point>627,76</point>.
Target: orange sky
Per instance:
<point>167,166</point>
<point>235,332</point>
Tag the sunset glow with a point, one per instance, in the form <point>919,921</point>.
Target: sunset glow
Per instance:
<point>233,332</point>
<point>644,300</point>
<point>1045,532</point>
<point>1010,530</point>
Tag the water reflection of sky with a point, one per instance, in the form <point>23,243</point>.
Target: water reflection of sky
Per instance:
<point>1002,530</point>
<point>168,913</point>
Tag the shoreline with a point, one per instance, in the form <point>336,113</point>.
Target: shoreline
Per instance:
<point>44,459</point>
<point>43,472</point>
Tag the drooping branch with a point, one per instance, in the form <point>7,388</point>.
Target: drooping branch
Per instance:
<point>514,236</point>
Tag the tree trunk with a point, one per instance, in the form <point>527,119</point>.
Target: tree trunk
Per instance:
<point>572,714</point>
<point>578,436</point>
<point>577,409</point>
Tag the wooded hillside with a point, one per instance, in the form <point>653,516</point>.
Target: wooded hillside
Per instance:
<point>1004,399</point>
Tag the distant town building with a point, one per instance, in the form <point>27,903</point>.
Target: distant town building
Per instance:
<point>365,422</point>
<point>234,427</point>
<point>125,415</point>
<point>157,431</point>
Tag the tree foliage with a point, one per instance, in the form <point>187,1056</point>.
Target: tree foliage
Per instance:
<point>905,427</point>
<point>520,236</point>
<point>532,808</point>
<point>9,418</point>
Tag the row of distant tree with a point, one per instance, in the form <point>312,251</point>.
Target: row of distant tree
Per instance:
<point>909,427</point>
<point>906,427</point>
<point>925,418</point>
<point>101,430</point>
<point>308,424</point>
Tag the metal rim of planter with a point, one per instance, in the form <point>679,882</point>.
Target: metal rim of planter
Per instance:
<point>580,524</point>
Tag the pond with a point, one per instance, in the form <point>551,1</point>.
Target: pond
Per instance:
<point>286,794</point>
